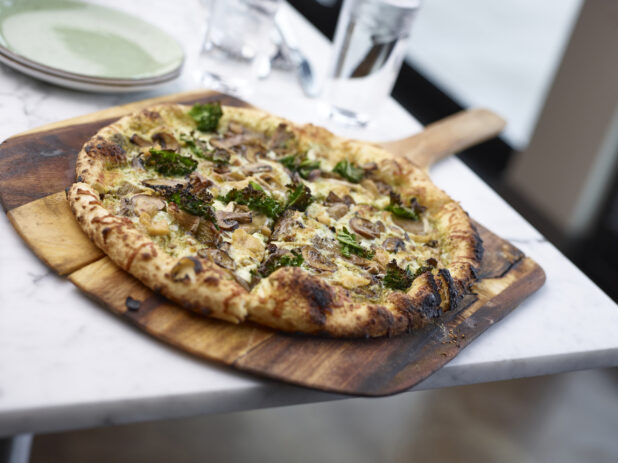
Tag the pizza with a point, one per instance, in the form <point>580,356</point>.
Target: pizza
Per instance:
<point>240,215</point>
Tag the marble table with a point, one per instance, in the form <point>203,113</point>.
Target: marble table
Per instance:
<point>67,363</point>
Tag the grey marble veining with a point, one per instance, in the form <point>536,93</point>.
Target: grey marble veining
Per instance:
<point>65,362</point>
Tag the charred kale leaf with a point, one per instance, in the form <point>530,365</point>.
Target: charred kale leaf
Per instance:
<point>276,261</point>
<point>206,116</point>
<point>170,163</point>
<point>299,197</point>
<point>198,205</point>
<point>396,207</point>
<point>255,198</point>
<point>349,171</point>
<point>399,278</point>
<point>349,245</point>
<point>300,164</point>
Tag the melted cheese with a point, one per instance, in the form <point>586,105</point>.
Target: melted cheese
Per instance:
<point>315,227</point>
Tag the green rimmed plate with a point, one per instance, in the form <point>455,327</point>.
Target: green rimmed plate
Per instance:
<point>86,46</point>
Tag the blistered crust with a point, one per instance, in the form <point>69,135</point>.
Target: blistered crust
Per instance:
<point>290,299</point>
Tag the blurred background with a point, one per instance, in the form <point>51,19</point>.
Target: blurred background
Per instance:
<point>549,68</point>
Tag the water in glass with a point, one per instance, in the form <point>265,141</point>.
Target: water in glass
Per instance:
<point>237,44</point>
<point>370,45</point>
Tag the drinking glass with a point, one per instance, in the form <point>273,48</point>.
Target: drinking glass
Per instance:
<point>369,48</point>
<point>236,49</point>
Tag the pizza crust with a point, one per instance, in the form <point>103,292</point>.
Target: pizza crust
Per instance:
<point>290,299</point>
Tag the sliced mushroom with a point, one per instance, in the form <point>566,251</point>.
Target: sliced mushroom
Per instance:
<point>315,259</point>
<point>371,266</point>
<point>139,141</point>
<point>332,198</point>
<point>149,204</point>
<point>366,228</point>
<point>394,244</point>
<point>415,227</point>
<point>281,138</point>
<point>285,227</point>
<point>138,163</point>
<point>347,199</point>
<point>219,257</point>
<point>235,140</point>
<point>235,127</point>
<point>231,220</point>
<point>127,188</point>
<point>166,140</point>
<point>370,186</point>
<point>383,188</point>
<point>369,167</point>
<point>186,269</point>
<point>207,233</point>
<point>187,221</point>
<point>252,169</point>
<point>338,210</point>
<point>164,184</point>
<point>325,244</point>
<point>234,176</point>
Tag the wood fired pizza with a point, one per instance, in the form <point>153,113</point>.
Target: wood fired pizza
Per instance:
<point>243,216</point>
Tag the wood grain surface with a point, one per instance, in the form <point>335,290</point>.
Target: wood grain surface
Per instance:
<point>36,167</point>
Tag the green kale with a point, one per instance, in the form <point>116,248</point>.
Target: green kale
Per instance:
<point>255,198</point>
<point>397,209</point>
<point>275,261</point>
<point>218,156</point>
<point>299,197</point>
<point>196,150</point>
<point>349,171</point>
<point>170,163</point>
<point>206,116</point>
<point>349,245</point>
<point>296,163</point>
<point>399,278</point>
<point>198,205</point>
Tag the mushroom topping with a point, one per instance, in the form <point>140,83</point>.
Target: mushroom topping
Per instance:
<point>338,210</point>
<point>127,188</point>
<point>207,233</point>
<point>281,139</point>
<point>332,198</point>
<point>186,269</point>
<point>366,228</point>
<point>394,244</point>
<point>415,227</point>
<point>148,204</point>
<point>228,142</point>
<point>285,226</point>
<point>137,163</point>
<point>370,186</point>
<point>252,169</point>
<point>166,140</point>
<point>164,184</point>
<point>315,259</point>
<point>383,188</point>
<point>371,266</point>
<point>139,141</point>
<point>187,221</point>
<point>219,257</point>
<point>230,220</point>
<point>370,166</point>
<point>235,127</point>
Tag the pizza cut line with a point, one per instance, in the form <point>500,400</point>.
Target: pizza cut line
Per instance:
<point>244,216</point>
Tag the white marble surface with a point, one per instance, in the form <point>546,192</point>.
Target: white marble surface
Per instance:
<point>67,363</point>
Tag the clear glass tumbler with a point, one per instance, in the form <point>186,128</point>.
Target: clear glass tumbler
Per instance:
<point>370,45</point>
<point>237,47</point>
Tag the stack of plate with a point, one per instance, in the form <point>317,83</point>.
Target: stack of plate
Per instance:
<point>86,47</point>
